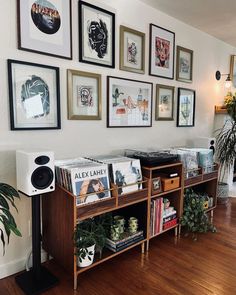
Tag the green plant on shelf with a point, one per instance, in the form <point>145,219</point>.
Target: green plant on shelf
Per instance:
<point>7,198</point>
<point>194,218</point>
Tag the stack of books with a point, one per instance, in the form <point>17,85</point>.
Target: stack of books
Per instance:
<point>127,240</point>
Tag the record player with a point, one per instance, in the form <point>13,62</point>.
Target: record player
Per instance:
<point>152,158</point>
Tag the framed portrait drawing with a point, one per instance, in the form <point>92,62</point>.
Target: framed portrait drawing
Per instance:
<point>186,107</point>
<point>132,50</point>
<point>161,52</point>
<point>44,26</point>
<point>184,64</point>
<point>233,69</point>
<point>96,35</point>
<point>34,93</point>
<point>129,103</point>
<point>84,95</point>
<point>156,185</point>
<point>164,102</point>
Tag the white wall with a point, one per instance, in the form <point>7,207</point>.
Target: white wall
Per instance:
<point>92,137</point>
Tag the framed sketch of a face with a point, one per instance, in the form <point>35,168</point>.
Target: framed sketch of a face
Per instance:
<point>45,27</point>
<point>34,94</point>
<point>96,35</point>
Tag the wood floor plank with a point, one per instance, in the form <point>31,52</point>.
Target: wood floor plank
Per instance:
<point>171,267</point>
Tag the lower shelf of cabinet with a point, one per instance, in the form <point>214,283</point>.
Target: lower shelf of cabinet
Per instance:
<point>165,230</point>
<point>107,254</point>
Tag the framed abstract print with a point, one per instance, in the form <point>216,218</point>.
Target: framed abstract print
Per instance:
<point>96,35</point>
<point>129,103</point>
<point>184,64</point>
<point>44,26</point>
<point>233,70</point>
<point>186,107</point>
<point>132,50</point>
<point>84,95</point>
<point>34,93</point>
<point>164,103</point>
<point>161,52</point>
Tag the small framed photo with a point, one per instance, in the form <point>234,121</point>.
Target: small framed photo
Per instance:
<point>45,27</point>
<point>165,102</point>
<point>84,95</point>
<point>34,93</point>
<point>96,35</point>
<point>161,52</point>
<point>132,50</point>
<point>233,70</point>
<point>186,107</point>
<point>156,185</point>
<point>184,65</point>
<point>129,103</point>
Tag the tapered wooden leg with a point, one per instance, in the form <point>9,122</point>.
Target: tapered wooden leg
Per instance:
<point>179,230</point>
<point>143,248</point>
<point>176,231</point>
<point>212,216</point>
<point>75,281</point>
<point>147,247</point>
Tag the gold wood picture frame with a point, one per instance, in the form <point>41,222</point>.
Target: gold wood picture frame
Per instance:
<point>164,103</point>
<point>132,50</point>
<point>184,64</point>
<point>84,95</point>
<point>233,69</point>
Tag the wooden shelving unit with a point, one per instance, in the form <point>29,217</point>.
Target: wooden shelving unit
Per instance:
<point>60,216</point>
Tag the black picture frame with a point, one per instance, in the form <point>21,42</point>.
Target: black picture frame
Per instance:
<point>34,96</point>
<point>95,55</point>
<point>161,68</point>
<point>44,40</point>
<point>132,106</point>
<point>186,107</point>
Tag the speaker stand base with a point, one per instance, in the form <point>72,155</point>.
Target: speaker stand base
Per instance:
<point>31,286</point>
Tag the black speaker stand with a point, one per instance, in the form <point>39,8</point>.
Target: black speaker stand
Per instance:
<point>38,279</point>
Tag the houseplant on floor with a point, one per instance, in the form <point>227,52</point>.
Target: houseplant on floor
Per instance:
<point>87,235</point>
<point>226,147</point>
<point>195,219</point>
<point>7,199</point>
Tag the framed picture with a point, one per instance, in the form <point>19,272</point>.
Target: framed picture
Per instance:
<point>161,55</point>
<point>233,70</point>
<point>96,35</point>
<point>156,185</point>
<point>34,93</point>
<point>44,26</point>
<point>84,95</point>
<point>129,103</point>
<point>165,102</point>
<point>184,64</point>
<point>132,50</point>
<point>186,107</point>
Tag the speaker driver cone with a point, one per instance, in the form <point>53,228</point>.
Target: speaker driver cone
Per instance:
<point>42,177</point>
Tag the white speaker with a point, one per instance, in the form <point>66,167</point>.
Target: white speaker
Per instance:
<point>205,142</point>
<point>35,172</point>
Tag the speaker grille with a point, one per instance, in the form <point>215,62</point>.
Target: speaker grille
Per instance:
<point>42,177</point>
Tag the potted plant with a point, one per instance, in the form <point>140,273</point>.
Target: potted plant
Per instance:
<point>7,195</point>
<point>194,218</point>
<point>87,235</point>
<point>225,147</point>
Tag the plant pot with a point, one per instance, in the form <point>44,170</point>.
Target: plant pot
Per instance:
<point>222,193</point>
<point>88,260</point>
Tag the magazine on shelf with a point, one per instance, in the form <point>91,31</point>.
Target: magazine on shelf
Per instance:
<point>115,247</point>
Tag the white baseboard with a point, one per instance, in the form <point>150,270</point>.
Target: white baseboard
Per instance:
<point>16,266</point>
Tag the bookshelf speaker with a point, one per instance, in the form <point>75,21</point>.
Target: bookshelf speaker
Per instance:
<point>35,172</point>
<point>205,142</point>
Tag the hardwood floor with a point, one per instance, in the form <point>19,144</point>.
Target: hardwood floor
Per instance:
<point>172,266</point>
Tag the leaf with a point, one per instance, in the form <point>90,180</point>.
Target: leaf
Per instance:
<point>3,240</point>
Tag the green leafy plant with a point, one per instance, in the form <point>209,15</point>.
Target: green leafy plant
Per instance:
<point>194,218</point>
<point>88,233</point>
<point>7,198</point>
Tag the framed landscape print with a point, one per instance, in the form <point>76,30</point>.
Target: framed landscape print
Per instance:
<point>44,26</point>
<point>84,95</point>
<point>129,103</point>
<point>233,69</point>
<point>165,103</point>
<point>186,107</point>
<point>34,93</point>
<point>132,50</point>
<point>161,52</point>
<point>96,35</point>
<point>184,64</point>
